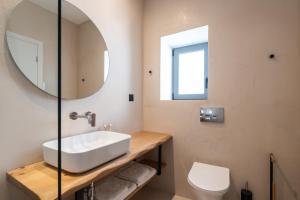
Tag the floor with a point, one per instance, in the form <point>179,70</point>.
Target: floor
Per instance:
<point>151,194</point>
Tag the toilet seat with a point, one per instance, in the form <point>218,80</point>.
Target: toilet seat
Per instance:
<point>209,178</point>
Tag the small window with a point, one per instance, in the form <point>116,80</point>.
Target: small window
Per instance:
<point>190,76</point>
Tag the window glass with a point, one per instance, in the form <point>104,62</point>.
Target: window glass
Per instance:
<point>191,73</point>
<point>190,76</point>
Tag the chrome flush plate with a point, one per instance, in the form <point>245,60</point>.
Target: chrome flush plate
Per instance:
<point>212,114</point>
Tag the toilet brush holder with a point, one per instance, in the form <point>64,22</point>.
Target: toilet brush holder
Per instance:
<point>246,194</point>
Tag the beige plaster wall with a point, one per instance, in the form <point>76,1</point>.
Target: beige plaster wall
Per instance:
<point>260,96</point>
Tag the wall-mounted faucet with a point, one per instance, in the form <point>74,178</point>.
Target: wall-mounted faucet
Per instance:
<point>91,117</point>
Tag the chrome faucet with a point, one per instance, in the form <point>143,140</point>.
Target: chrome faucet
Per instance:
<point>91,117</point>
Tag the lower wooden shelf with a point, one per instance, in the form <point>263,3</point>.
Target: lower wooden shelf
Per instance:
<point>39,180</point>
<point>140,187</point>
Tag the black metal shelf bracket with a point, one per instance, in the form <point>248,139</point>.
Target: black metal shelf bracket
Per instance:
<point>159,163</point>
<point>272,160</point>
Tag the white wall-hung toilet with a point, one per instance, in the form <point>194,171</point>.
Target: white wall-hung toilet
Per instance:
<point>208,181</point>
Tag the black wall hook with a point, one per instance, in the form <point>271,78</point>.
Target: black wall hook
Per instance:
<point>271,56</point>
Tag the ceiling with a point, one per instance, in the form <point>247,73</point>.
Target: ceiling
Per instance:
<point>69,11</point>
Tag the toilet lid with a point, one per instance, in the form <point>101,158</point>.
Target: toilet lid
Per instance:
<point>209,177</point>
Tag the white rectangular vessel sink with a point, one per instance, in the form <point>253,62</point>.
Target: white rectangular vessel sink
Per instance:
<point>83,152</point>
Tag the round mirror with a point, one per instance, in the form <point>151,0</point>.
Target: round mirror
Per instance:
<point>32,41</point>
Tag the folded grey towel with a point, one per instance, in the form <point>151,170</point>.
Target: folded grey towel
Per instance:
<point>114,188</point>
<point>137,173</point>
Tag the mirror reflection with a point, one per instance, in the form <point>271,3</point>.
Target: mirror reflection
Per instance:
<point>32,40</point>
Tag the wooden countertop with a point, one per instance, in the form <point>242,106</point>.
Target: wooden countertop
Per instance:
<point>39,180</point>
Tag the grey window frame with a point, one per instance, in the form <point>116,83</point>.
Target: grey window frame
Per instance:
<point>175,76</point>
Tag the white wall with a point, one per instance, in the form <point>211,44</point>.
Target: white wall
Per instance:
<point>260,96</point>
<point>28,116</point>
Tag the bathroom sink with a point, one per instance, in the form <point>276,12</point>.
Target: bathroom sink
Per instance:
<point>83,152</point>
